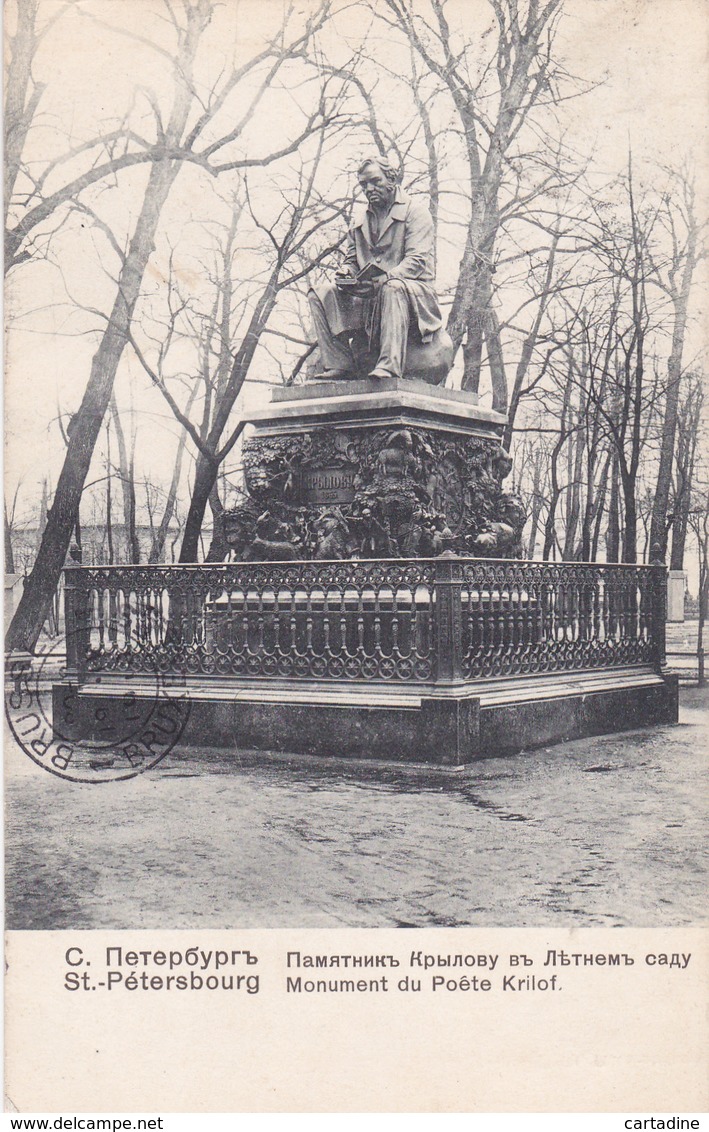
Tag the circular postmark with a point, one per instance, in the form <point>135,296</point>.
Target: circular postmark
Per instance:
<point>113,727</point>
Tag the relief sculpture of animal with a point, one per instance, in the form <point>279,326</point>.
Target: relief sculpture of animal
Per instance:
<point>269,550</point>
<point>396,459</point>
<point>273,542</point>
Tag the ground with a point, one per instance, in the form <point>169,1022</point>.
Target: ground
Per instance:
<point>603,831</point>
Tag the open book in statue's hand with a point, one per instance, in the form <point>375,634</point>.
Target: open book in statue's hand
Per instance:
<point>363,283</point>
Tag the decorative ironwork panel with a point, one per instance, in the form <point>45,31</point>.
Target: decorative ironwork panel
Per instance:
<point>528,617</point>
<point>353,620</point>
<point>394,620</point>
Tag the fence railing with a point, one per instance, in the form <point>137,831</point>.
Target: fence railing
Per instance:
<point>442,620</point>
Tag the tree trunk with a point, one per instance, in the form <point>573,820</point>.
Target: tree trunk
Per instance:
<point>43,512</point>
<point>157,546</point>
<point>19,108</point>
<point>630,526</point>
<point>473,352</point>
<point>109,501</point>
<point>679,539</point>
<point>495,357</point>
<point>42,582</point>
<point>554,495</point>
<point>550,538</point>
<point>218,546</point>
<point>593,516</point>
<point>689,423</point>
<point>573,506</point>
<point>126,464</point>
<point>703,595</point>
<point>518,47</point>
<point>536,507</point>
<point>9,556</point>
<point>680,303</point>
<point>613,528</point>
<point>204,480</point>
<point>429,137</point>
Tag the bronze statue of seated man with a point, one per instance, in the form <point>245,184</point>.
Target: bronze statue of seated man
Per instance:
<point>384,296</point>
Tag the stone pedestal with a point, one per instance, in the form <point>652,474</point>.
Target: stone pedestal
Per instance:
<point>389,722</point>
<point>675,595</point>
<point>358,620</point>
<point>375,469</point>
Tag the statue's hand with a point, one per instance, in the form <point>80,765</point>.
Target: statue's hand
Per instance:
<point>373,276</point>
<point>350,285</point>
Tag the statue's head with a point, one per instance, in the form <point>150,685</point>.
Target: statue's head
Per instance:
<point>378,180</point>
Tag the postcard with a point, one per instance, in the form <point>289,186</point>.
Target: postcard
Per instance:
<point>356,556</point>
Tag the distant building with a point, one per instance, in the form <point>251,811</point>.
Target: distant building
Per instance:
<point>94,546</point>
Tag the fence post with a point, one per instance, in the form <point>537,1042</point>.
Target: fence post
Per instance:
<point>448,635</point>
<point>76,623</point>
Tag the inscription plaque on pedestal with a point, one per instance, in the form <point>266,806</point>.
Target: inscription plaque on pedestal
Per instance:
<point>328,485</point>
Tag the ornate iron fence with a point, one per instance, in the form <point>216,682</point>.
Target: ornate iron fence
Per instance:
<point>442,620</point>
<point>525,617</point>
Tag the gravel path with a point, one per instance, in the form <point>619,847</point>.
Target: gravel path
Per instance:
<point>604,831</point>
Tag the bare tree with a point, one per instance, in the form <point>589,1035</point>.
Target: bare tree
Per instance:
<point>566,427</point>
<point>619,389</point>
<point>598,377</point>
<point>687,460</point>
<point>126,473</point>
<point>678,218</point>
<point>493,103</point>
<point>29,618</point>
<point>12,524</point>
<point>9,556</point>
<point>699,524</point>
<point>35,196</point>
<point>229,333</point>
<point>179,138</point>
<point>169,515</point>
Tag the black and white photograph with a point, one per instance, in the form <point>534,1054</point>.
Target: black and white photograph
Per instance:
<point>356,464</point>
